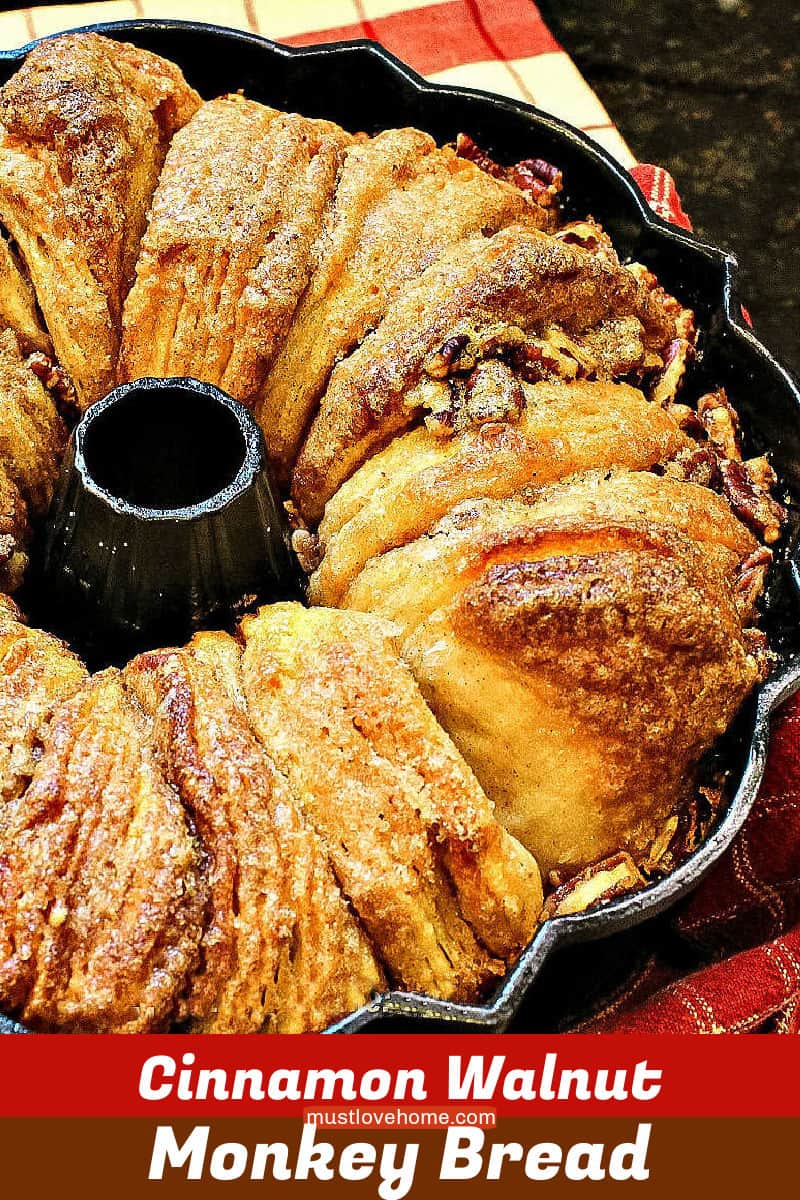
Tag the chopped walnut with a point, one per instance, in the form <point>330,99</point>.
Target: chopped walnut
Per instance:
<point>596,884</point>
<point>57,383</point>
<point>308,549</point>
<point>721,422</point>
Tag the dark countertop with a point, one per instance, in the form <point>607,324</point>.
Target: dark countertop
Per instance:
<point>711,91</point>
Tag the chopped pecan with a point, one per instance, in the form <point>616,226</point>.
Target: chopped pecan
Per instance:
<point>641,272</point>
<point>306,545</point>
<point>750,579</point>
<point>540,181</point>
<point>758,646</point>
<point>469,149</point>
<point>659,847</point>
<point>761,472</point>
<point>687,419</point>
<point>667,382</point>
<point>292,515</point>
<point>695,464</point>
<point>442,405</point>
<point>609,350</point>
<point>684,832</point>
<point>695,820</point>
<point>683,317</point>
<point>531,362</point>
<point>537,168</point>
<point>684,323</point>
<point>746,485</point>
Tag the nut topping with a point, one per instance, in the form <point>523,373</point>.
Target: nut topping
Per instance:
<point>540,181</point>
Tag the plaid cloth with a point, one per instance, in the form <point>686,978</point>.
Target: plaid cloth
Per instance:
<point>740,931</point>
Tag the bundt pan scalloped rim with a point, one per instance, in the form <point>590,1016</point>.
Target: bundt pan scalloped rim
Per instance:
<point>383,92</point>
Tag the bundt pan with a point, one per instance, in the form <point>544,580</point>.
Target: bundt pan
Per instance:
<point>361,86</point>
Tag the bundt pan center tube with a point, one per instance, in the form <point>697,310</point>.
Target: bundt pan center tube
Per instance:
<point>171,507</point>
<point>165,521</point>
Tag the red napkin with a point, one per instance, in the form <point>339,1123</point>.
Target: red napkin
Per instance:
<point>743,922</point>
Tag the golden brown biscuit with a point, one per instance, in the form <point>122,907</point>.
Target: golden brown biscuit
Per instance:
<point>400,202</point>
<point>402,491</point>
<point>282,952</point>
<point>15,535</point>
<point>227,251</point>
<point>84,125</point>
<point>18,308</point>
<point>32,434</point>
<point>483,296</point>
<point>407,584</point>
<point>412,838</point>
<point>37,672</point>
<point>582,651</point>
<point>101,896</point>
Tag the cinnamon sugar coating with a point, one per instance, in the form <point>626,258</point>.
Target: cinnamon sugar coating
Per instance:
<point>442,890</point>
<point>228,247</point>
<point>84,125</point>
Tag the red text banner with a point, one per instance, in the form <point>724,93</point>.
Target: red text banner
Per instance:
<point>176,1077</point>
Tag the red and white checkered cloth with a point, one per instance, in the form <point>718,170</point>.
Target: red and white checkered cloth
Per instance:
<point>742,926</point>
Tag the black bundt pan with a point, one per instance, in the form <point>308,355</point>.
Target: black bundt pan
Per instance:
<point>362,86</point>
